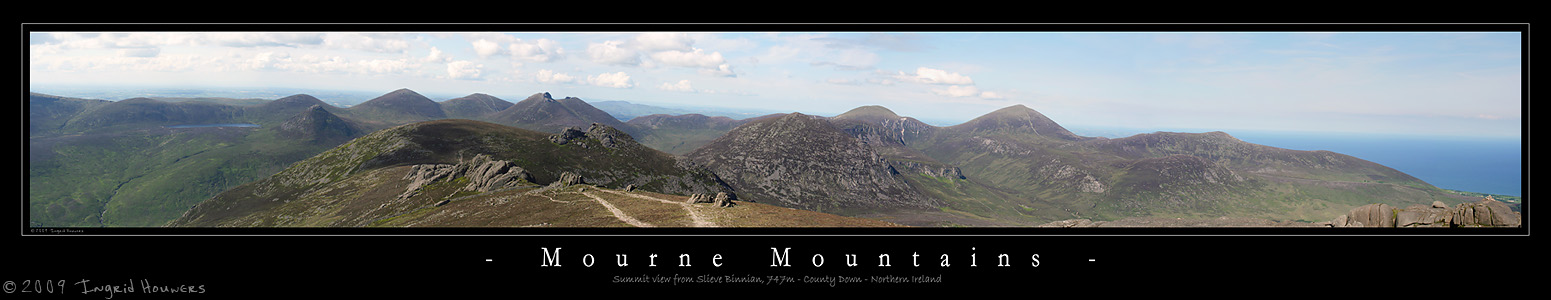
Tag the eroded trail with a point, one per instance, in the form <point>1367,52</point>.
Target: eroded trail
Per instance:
<point>618,213</point>
<point>694,215</point>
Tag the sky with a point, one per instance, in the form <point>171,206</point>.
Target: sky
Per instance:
<point>1413,83</point>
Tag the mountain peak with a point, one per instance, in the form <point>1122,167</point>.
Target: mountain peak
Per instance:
<point>299,99</point>
<point>868,113</point>
<point>401,104</point>
<point>1019,118</point>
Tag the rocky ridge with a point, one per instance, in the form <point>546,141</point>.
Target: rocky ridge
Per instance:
<point>484,174</point>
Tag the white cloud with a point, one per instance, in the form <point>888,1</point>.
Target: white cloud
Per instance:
<point>681,86</point>
<point>386,66</point>
<point>723,70</point>
<point>991,95</point>
<point>610,52</point>
<point>139,52</point>
<point>463,70</point>
<point>547,76</point>
<point>957,91</point>
<point>486,48</point>
<point>437,56</point>
<point>380,43</point>
<point>541,50</point>
<point>935,76</point>
<point>661,41</point>
<point>694,59</point>
<point>613,80</point>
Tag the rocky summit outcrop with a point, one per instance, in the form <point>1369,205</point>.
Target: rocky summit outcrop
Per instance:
<point>569,178</point>
<point>607,136</point>
<point>722,199</point>
<point>483,172</point>
<point>1484,213</point>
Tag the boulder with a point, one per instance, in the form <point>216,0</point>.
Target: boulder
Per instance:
<point>1423,216</point>
<point>700,198</point>
<point>567,135</point>
<point>484,173</point>
<point>1371,215</point>
<point>1485,213</point>
<point>723,200</point>
<point>568,178</point>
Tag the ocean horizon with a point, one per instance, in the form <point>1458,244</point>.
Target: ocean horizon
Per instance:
<point>1472,164</point>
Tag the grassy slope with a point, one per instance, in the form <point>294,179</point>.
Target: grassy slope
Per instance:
<point>145,178</point>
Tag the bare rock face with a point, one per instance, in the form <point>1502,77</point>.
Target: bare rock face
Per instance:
<point>422,175</point>
<point>608,137</point>
<point>700,198</point>
<point>567,135</point>
<point>1484,213</point>
<point>1371,215</point>
<point>569,178</point>
<point>723,200</point>
<point>484,173</point>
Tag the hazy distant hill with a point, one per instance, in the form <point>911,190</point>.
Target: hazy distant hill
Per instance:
<point>682,133</point>
<point>119,164</point>
<point>473,106</point>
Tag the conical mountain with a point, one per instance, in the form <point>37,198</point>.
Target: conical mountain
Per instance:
<point>473,106</point>
<point>1018,118</point>
<point>399,106</point>
<point>880,126</point>
<point>317,123</point>
<point>542,112</point>
<point>869,113</point>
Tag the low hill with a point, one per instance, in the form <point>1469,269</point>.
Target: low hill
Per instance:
<point>473,106</point>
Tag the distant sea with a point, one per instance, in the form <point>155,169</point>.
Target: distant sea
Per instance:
<point>1482,165</point>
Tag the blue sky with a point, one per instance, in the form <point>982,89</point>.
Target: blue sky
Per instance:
<point>1417,83</point>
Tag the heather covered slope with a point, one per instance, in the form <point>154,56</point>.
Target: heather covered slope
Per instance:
<point>803,161</point>
<point>682,133</point>
<point>1015,166</point>
<point>372,169</point>
<point>100,163</point>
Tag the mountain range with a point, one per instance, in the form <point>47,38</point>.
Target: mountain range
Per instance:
<point>311,164</point>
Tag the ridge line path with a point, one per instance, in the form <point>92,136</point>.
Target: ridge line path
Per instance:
<point>694,216</point>
<point>618,213</point>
